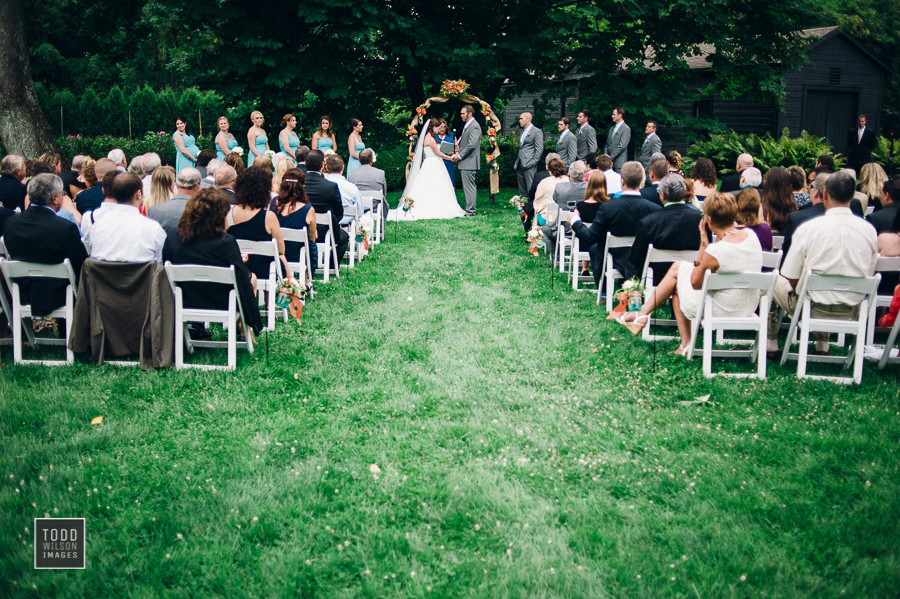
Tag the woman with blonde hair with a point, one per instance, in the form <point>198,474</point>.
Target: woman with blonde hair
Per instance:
<point>225,141</point>
<point>748,217</point>
<point>871,182</point>
<point>162,188</point>
<point>52,160</point>
<point>282,166</point>
<point>256,137</point>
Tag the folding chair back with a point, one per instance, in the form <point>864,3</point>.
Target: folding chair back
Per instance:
<point>3,252</point>
<point>20,314</point>
<point>655,255</point>
<point>771,260</point>
<point>373,201</point>
<point>578,255</point>
<point>267,288</point>
<point>777,242</point>
<point>303,267</point>
<point>866,287</point>
<point>327,248</point>
<point>196,273</point>
<point>882,266</point>
<point>607,272</point>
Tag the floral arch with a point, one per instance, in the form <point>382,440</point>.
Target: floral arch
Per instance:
<point>459,89</point>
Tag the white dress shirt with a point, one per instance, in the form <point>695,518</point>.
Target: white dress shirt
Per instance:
<point>613,182</point>
<point>125,235</point>
<point>350,198</point>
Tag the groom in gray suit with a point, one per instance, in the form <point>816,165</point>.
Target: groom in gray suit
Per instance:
<point>468,157</point>
<point>531,146</point>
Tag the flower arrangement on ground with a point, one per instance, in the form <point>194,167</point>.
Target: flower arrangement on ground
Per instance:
<point>630,296</point>
<point>536,239</point>
<point>454,87</point>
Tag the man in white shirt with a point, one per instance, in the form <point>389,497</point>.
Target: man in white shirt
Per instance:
<point>837,243</point>
<point>91,216</point>
<point>351,199</point>
<point>613,179</point>
<point>124,234</point>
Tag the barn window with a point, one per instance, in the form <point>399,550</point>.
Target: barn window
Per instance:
<point>834,76</point>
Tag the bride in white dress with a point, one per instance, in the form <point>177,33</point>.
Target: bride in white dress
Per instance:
<point>429,183</point>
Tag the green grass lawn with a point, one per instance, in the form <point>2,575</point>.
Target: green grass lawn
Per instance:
<point>526,446</point>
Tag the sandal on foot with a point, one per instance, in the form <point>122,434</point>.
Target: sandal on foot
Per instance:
<point>635,326</point>
<point>682,350</point>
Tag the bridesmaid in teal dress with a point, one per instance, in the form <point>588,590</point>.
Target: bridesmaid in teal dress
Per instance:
<point>256,138</point>
<point>225,141</point>
<point>323,139</point>
<point>186,149</point>
<point>287,139</point>
<point>355,145</point>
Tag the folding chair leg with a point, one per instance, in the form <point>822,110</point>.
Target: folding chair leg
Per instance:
<point>707,351</point>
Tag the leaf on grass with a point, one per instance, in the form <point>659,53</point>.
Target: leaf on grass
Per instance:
<point>97,420</point>
<point>374,469</point>
<point>697,400</point>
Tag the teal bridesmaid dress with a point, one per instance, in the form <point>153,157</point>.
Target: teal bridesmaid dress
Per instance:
<point>190,144</point>
<point>230,142</point>
<point>324,144</point>
<point>260,147</point>
<point>353,163</point>
<point>293,142</point>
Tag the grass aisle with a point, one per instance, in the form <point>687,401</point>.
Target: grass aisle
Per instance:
<point>526,448</point>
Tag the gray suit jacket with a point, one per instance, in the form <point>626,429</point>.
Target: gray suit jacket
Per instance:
<point>369,178</point>
<point>569,194</point>
<point>652,144</point>
<point>617,145</point>
<point>168,213</point>
<point>567,148</point>
<point>469,147</point>
<point>531,150</point>
<point>587,140</point>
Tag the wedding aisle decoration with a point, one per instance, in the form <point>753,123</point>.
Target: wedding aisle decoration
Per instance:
<point>291,297</point>
<point>536,239</point>
<point>630,297</point>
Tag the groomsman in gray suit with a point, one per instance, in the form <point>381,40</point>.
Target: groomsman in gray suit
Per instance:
<point>618,139</point>
<point>587,136</point>
<point>531,146</point>
<point>566,146</point>
<point>652,145</point>
<point>468,156</point>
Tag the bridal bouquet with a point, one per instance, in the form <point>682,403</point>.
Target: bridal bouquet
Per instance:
<point>454,88</point>
<point>536,239</point>
<point>327,152</point>
<point>291,297</point>
<point>270,155</point>
<point>237,150</point>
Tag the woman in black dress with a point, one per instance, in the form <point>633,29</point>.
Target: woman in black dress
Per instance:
<point>295,212</point>
<point>201,239</point>
<point>250,218</point>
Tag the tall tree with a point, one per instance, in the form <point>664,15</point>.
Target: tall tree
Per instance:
<point>23,129</point>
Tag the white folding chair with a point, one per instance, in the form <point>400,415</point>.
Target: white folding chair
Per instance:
<point>195,273</point>
<point>882,265</point>
<point>770,261</point>
<point>870,210</point>
<point>326,248</point>
<point>655,256</point>
<point>889,346</point>
<point>355,246</point>
<point>553,216</point>
<point>802,318</point>
<point>20,320</point>
<point>607,272</point>
<point>3,252</point>
<point>754,322</point>
<point>267,289</point>
<point>373,202</point>
<point>576,257</point>
<point>777,242</point>
<point>302,269</point>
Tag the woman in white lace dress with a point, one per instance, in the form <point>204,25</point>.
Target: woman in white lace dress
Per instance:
<point>429,183</point>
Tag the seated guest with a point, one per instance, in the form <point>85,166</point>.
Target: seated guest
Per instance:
<point>732,183</point>
<point>283,163</point>
<point>658,171</point>
<point>871,181</point>
<point>777,200</point>
<point>295,212</point>
<point>109,201</point>
<point>12,190</point>
<point>117,157</point>
<point>150,164</point>
<point>251,219</point>
<point>567,195</point>
<point>735,251</point>
<point>798,187</point>
<point>750,177</point>
<point>200,238</point>
<point>883,219</point>
<point>162,188</point>
<point>210,179</point>
<point>324,195</point>
<point>594,194</point>
<point>673,157</point>
<point>301,154</point>
<point>613,179</point>
<point>888,247</point>
<point>369,178</point>
<point>203,159</point>
<point>672,228</point>
<point>816,197</point>
<point>225,180</point>
<point>71,184</point>
<point>541,175</point>
<point>123,234</point>
<point>862,198</point>
<point>93,196</point>
<point>167,214</point>
<point>351,199</point>
<point>825,161</point>
<point>748,217</point>
<point>704,176</point>
<point>590,161</point>
<point>235,162</point>
<point>38,235</point>
<point>68,210</point>
<point>837,243</point>
<point>544,193</point>
<point>137,165</point>
<point>621,216</point>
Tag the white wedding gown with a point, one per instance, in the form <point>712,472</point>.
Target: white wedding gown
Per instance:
<point>432,192</point>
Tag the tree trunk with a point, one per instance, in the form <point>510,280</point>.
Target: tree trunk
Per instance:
<point>23,128</point>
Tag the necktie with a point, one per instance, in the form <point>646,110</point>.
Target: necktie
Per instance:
<point>859,141</point>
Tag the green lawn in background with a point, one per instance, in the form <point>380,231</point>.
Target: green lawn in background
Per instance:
<point>526,446</point>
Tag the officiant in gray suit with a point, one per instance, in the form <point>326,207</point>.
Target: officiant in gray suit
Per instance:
<point>618,139</point>
<point>531,146</point>
<point>566,146</point>
<point>586,134</point>
<point>468,156</point>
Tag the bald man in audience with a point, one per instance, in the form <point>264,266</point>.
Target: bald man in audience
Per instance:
<point>732,183</point>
